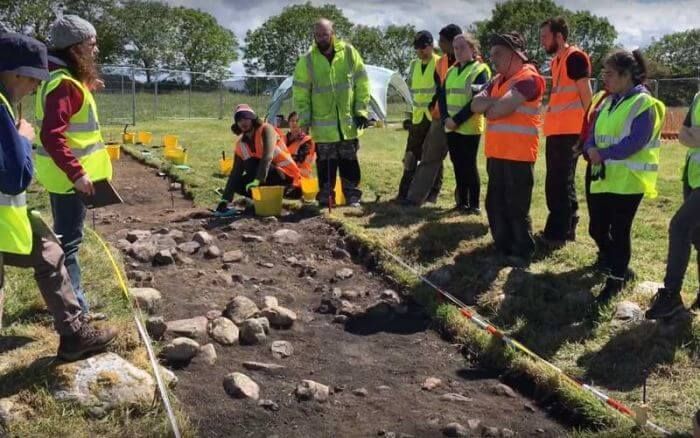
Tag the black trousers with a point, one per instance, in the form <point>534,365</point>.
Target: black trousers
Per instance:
<point>611,217</point>
<point>463,152</point>
<point>412,156</point>
<point>508,199</point>
<point>560,187</point>
<point>683,230</point>
<point>243,173</point>
<point>339,157</point>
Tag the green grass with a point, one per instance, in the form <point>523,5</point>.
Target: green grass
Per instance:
<point>544,309</point>
<point>26,371</point>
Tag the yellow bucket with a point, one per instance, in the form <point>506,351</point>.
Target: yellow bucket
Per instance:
<point>128,138</point>
<point>176,155</point>
<point>145,137</point>
<point>225,166</point>
<point>309,189</point>
<point>169,141</point>
<point>114,151</point>
<point>268,200</point>
<point>339,195</point>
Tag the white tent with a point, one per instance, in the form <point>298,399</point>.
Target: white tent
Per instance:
<point>380,79</point>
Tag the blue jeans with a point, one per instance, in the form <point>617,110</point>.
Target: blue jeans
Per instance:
<point>68,218</point>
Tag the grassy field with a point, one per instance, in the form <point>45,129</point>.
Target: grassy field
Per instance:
<point>543,308</point>
<point>28,345</point>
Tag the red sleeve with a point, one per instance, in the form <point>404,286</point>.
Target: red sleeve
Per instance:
<point>531,89</point>
<point>61,103</point>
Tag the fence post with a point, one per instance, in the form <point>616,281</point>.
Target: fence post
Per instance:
<point>133,95</point>
<point>155,95</point>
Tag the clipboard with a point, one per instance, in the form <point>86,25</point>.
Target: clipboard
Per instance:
<point>105,195</point>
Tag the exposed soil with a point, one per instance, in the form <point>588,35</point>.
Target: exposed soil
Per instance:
<point>388,353</point>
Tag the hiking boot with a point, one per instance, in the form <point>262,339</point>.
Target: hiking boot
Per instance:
<point>665,304</point>
<point>86,340</point>
<point>551,243</point>
<point>473,211</point>
<point>571,234</point>
<point>601,264</point>
<point>518,262</point>
<point>92,316</point>
<point>613,286</point>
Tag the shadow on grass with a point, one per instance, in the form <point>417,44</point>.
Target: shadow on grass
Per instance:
<point>388,213</point>
<point>9,343</point>
<point>381,318</point>
<point>435,239</point>
<point>627,359</point>
<point>35,373</point>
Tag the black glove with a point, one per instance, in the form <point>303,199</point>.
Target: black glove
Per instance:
<point>302,153</point>
<point>222,206</point>
<point>361,122</point>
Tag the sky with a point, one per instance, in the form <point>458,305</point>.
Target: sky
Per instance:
<point>637,21</point>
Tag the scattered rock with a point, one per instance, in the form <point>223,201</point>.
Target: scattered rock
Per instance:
<point>169,378</point>
<point>191,328</point>
<point>213,314</point>
<point>286,237</point>
<point>140,277</point>
<point>203,238</point>
<point>310,390</point>
<point>340,319</point>
<point>163,258</point>
<point>279,317</point>
<point>260,366</point>
<point>281,349</point>
<point>252,238</point>
<point>143,251</point>
<point>238,385</point>
<point>235,256</point>
<point>147,298</point>
<point>350,295</point>
<point>13,411</point>
<point>344,273</point>
<point>189,247</point>
<point>390,296</point>
<point>180,350</point>
<point>240,308</point>
<point>347,308</point>
<point>328,306</point>
<point>530,408</point>
<point>269,301</point>
<point>648,288</point>
<point>628,311</point>
<point>240,278</point>
<point>455,430</point>
<point>123,245</point>
<point>503,390</point>
<point>254,331</point>
<point>183,259</point>
<point>266,265</point>
<point>507,433</point>
<point>269,404</point>
<point>340,253</point>
<point>136,235</point>
<point>156,327</point>
<point>360,392</point>
<point>223,331</point>
<point>431,383</point>
<point>207,354</point>
<point>383,388</point>
<point>491,432</point>
<point>474,424</point>
<point>212,252</point>
<point>177,235</point>
<point>452,397</point>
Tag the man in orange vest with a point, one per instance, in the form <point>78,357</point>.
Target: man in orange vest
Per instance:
<point>511,104</point>
<point>429,172</point>
<point>301,146</point>
<point>569,97</point>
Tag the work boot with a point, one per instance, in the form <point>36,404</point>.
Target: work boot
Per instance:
<point>571,234</point>
<point>86,340</point>
<point>601,264</point>
<point>696,304</point>
<point>665,304</point>
<point>473,211</point>
<point>613,286</point>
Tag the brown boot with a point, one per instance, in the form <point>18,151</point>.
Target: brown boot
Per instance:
<point>86,340</point>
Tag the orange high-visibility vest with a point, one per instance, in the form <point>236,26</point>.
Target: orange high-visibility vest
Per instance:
<point>306,167</point>
<point>565,110</point>
<point>281,157</point>
<point>515,137</point>
<point>441,67</point>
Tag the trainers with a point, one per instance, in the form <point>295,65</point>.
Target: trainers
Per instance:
<point>613,286</point>
<point>665,304</point>
<point>473,211</point>
<point>86,340</point>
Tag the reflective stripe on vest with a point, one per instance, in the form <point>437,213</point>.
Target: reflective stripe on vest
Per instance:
<point>637,174</point>
<point>422,86</point>
<point>516,136</point>
<point>691,170</point>
<point>82,136</point>
<point>281,158</point>
<point>458,90</point>
<point>16,234</point>
<point>565,111</point>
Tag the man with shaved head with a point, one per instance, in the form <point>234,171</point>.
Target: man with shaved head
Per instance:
<point>331,96</point>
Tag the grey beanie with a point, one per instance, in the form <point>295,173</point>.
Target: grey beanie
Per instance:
<point>69,30</point>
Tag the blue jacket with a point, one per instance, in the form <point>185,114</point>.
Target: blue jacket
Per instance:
<point>16,167</point>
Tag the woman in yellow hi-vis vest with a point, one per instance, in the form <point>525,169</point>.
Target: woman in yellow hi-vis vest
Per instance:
<point>623,147</point>
<point>685,225</point>
<point>72,155</point>
<point>25,241</point>
<point>463,127</point>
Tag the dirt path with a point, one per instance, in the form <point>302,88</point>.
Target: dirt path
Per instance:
<point>388,352</point>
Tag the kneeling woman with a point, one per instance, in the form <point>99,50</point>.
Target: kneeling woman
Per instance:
<point>261,158</point>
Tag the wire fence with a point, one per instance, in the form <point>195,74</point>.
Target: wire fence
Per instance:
<point>133,94</point>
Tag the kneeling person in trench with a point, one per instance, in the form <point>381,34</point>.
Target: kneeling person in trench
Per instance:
<point>262,158</point>
<point>25,241</point>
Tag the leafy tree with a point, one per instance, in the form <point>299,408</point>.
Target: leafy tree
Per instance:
<point>275,46</point>
<point>369,41</point>
<point>205,46</point>
<point>399,43</point>
<point>595,35</point>
<point>678,51</point>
